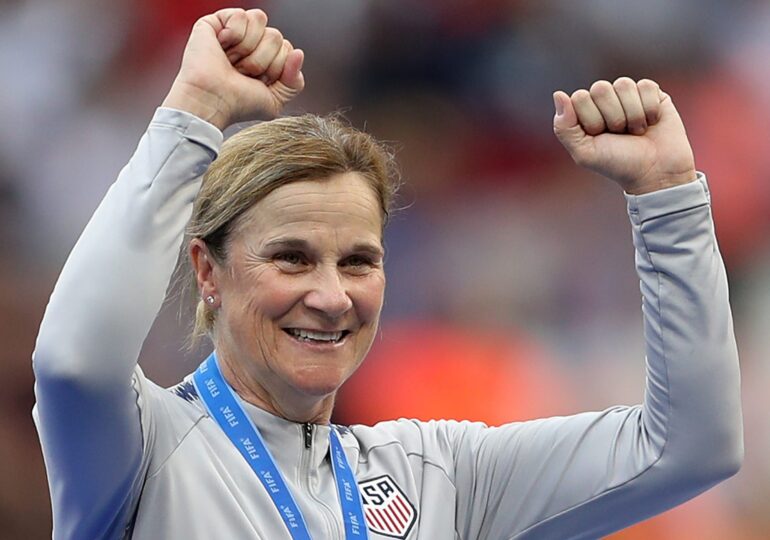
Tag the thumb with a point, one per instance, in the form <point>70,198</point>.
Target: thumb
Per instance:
<point>291,82</point>
<point>292,77</point>
<point>565,122</point>
<point>667,109</point>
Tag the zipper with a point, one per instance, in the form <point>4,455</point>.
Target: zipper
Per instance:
<point>304,474</point>
<point>307,429</point>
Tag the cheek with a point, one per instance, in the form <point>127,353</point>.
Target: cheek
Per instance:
<point>274,301</point>
<point>369,297</point>
<point>268,298</point>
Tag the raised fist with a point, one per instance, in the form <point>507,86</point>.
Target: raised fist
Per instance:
<point>627,131</point>
<point>236,68</point>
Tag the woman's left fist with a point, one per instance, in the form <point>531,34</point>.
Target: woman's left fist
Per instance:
<point>627,131</point>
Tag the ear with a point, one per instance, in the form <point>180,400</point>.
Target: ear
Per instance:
<point>203,265</point>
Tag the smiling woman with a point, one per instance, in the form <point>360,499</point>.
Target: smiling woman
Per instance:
<point>283,226</point>
<point>298,293</point>
<point>253,163</point>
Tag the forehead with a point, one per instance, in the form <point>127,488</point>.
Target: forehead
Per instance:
<point>341,205</point>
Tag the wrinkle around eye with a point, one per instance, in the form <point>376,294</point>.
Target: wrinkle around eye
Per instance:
<point>252,262</point>
<point>250,256</point>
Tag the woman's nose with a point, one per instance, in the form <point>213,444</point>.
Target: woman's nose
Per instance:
<point>329,294</point>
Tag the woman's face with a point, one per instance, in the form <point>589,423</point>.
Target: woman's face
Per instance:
<point>302,288</point>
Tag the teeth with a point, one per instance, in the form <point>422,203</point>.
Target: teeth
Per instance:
<point>315,335</point>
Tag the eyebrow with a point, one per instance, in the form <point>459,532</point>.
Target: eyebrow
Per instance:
<point>303,245</point>
<point>294,243</point>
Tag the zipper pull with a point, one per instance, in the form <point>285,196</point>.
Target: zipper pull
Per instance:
<point>308,431</point>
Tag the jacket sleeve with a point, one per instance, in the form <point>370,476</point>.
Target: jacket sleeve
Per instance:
<point>92,428</point>
<point>587,475</point>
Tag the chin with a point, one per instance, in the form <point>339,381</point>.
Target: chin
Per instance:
<point>319,382</point>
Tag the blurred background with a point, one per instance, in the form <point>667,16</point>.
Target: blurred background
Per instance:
<point>511,286</point>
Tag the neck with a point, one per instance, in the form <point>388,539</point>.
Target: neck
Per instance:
<point>289,404</point>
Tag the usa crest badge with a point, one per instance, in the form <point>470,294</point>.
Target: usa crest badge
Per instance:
<point>388,512</point>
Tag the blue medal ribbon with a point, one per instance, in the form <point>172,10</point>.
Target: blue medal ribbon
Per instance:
<point>223,406</point>
<point>347,489</point>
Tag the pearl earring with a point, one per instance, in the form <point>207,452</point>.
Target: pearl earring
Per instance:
<point>210,300</point>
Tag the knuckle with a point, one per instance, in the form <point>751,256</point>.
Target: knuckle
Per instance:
<point>258,15</point>
<point>273,35</point>
<point>623,83</point>
<point>580,96</point>
<point>647,83</point>
<point>601,88</point>
<point>237,14</point>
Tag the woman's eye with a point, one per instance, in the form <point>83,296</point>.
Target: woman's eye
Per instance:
<point>290,258</point>
<point>358,262</point>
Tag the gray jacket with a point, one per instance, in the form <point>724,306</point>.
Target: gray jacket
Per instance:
<point>128,458</point>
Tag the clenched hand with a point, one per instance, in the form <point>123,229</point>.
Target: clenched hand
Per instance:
<point>236,68</point>
<point>627,131</point>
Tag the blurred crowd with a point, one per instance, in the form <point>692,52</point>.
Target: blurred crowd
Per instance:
<point>511,286</point>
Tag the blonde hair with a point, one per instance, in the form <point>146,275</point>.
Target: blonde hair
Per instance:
<point>266,156</point>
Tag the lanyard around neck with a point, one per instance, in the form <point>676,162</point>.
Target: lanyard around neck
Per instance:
<point>224,408</point>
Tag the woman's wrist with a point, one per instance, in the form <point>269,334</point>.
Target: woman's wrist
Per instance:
<point>662,182</point>
<point>205,105</point>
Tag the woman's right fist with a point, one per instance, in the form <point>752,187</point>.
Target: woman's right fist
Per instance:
<point>236,68</point>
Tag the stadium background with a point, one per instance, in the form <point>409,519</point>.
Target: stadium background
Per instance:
<point>511,288</point>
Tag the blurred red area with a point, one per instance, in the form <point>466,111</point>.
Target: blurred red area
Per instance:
<point>729,132</point>
<point>429,370</point>
<point>160,23</point>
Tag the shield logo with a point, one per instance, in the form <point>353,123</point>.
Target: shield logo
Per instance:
<point>388,512</point>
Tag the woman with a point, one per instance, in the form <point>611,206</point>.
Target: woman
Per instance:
<point>285,246</point>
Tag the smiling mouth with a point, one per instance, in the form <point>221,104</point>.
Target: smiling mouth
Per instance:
<point>315,336</point>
